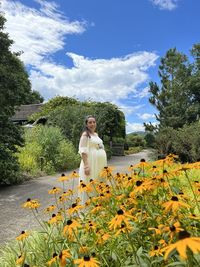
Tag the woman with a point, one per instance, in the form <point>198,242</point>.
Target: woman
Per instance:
<point>92,152</point>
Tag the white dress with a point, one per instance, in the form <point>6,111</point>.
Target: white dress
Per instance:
<point>97,159</point>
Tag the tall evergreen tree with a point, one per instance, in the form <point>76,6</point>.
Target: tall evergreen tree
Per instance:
<point>173,97</point>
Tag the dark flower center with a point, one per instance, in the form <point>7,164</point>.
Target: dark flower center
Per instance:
<point>183,234</point>
<point>129,178</point>
<point>120,212</point>
<point>62,174</point>
<point>55,254</point>
<point>91,180</point>
<point>154,167</point>
<point>162,180</point>
<point>23,232</point>
<point>138,183</point>
<point>155,247</point>
<point>86,258</point>
<point>165,171</point>
<point>53,215</point>
<point>174,198</point>
<point>172,228</point>
<point>69,222</point>
<point>142,160</point>
<point>28,199</point>
<point>74,205</point>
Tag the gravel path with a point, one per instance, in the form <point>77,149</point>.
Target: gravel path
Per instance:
<point>14,219</point>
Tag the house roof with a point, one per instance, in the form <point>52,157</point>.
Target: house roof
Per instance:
<point>24,111</point>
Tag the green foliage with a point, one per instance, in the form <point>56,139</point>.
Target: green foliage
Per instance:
<point>177,99</point>
<point>46,149</point>
<point>133,150</point>
<point>15,89</point>
<point>184,142</point>
<point>150,140</point>
<point>135,140</point>
<point>69,115</point>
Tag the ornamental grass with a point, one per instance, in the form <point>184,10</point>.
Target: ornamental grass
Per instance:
<point>147,216</point>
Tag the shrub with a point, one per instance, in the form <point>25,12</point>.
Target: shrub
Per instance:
<point>46,149</point>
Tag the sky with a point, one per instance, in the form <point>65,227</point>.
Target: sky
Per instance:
<point>101,50</point>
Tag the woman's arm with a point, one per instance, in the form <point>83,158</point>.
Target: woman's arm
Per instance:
<point>83,150</point>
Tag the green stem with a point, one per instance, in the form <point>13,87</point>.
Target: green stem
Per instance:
<point>192,190</point>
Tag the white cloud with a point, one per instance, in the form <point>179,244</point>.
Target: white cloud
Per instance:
<point>38,33</point>
<point>146,116</point>
<point>41,33</point>
<point>134,127</point>
<point>98,79</point>
<point>165,4</point>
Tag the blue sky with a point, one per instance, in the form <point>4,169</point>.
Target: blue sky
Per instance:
<point>101,50</point>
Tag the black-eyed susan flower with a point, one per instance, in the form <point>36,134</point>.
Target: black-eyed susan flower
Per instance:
<point>20,260</point>
<point>63,178</point>
<point>31,204</point>
<point>56,218</point>
<point>71,226</point>
<point>74,174</point>
<point>185,242</point>
<point>50,208</point>
<point>63,256</point>
<point>87,261</point>
<point>121,217</point>
<point>174,204</point>
<point>90,225</point>
<point>54,190</point>
<point>173,229</point>
<point>124,228</point>
<point>53,260</point>
<point>106,172</point>
<point>156,251</point>
<point>22,236</point>
<point>75,207</point>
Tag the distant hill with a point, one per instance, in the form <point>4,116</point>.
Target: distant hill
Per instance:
<point>141,133</point>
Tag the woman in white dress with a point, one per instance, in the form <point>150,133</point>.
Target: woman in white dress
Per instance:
<point>93,155</point>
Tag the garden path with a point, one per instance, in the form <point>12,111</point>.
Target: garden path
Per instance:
<point>14,219</point>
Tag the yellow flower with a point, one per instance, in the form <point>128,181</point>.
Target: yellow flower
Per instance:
<point>55,190</point>
<point>121,217</point>
<point>63,256</point>
<point>53,260</point>
<point>106,172</point>
<point>85,188</point>
<point>87,261</point>
<point>185,242</point>
<point>174,204</point>
<point>172,229</point>
<point>22,236</point>
<point>63,178</point>
<point>71,227</point>
<point>74,208</point>
<point>157,251</point>
<point>74,174</point>
<point>50,208</point>
<point>90,225</point>
<point>56,218</point>
<point>31,204</point>
<point>20,260</point>
<point>124,229</point>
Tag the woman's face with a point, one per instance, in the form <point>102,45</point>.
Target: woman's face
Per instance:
<point>91,124</point>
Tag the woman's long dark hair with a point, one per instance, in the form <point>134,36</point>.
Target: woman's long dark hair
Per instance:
<point>86,128</point>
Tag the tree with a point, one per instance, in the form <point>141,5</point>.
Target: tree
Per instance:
<point>178,96</point>
<point>15,88</point>
<point>171,98</point>
<point>35,98</point>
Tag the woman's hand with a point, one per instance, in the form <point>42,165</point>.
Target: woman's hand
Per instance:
<point>87,170</point>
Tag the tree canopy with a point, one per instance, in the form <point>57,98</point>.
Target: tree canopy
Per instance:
<point>177,98</point>
<point>15,90</point>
